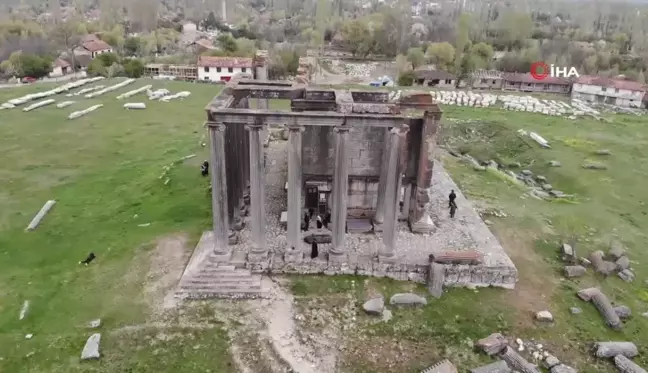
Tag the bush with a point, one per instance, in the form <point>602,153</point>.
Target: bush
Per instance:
<point>33,66</point>
<point>107,59</point>
<point>134,68</point>
<point>97,68</point>
<point>406,78</point>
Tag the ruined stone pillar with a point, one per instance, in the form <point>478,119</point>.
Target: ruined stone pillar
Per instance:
<point>379,215</point>
<point>392,191</point>
<point>420,221</point>
<point>294,188</point>
<point>219,188</point>
<point>257,191</point>
<point>340,193</point>
<point>407,198</point>
<point>261,73</point>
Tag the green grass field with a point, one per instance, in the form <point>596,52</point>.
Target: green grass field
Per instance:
<point>606,203</point>
<point>104,171</point>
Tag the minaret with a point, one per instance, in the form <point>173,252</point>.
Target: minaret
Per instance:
<point>224,10</point>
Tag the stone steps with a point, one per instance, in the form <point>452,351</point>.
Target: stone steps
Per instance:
<point>220,281</point>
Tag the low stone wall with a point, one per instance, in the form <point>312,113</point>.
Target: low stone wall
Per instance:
<point>455,275</point>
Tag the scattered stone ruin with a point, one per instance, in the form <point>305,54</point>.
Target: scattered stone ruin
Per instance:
<point>363,160</point>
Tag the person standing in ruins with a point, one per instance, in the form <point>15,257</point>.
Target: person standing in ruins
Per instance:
<point>451,199</point>
<point>453,209</point>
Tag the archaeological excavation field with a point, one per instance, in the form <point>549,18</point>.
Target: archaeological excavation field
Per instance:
<point>127,191</point>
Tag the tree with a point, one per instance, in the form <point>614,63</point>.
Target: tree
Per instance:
<point>34,66</point>
<point>132,46</point>
<point>134,68</point>
<point>107,59</point>
<point>463,30</point>
<point>227,43</point>
<point>442,55</point>
<point>482,54</point>
<point>406,78</point>
<point>97,68</point>
<point>210,22</point>
<point>358,37</point>
<point>514,28</point>
<point>416,57</point>
<point>66,34</point>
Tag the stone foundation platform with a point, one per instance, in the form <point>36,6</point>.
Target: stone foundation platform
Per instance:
<point>365,265</point>
<point>411,262</point>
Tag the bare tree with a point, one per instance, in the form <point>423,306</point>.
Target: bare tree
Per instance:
<point>66,34</point>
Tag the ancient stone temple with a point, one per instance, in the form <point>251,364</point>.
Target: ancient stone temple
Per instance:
<point>355,177</point>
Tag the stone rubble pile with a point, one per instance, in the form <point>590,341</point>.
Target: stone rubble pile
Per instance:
<point>354,69</point>
<point>81,113</point>
<point>462,98</point>
<point>86,90</point>
<point>511,360</point>
<point>182,94</point>
<point>157,94</point>
<point>35,96</point>
<point>39,104</point>
<point>110,88</point>
<point>515,103</point>
<point>134,92</point>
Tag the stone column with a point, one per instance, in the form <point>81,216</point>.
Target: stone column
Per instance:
<point>340,194</point>
<point>261,73</point>
<point>257,191</point>
<point>294,191</point>
<point>219,189</point>
<point>420,221</point>
<point>407,198</point>
<point>379,215</point>
<point>392,189</point>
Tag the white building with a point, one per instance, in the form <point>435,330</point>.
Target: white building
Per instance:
<point>60,67</point>
<point>222,69</point>
<point>609,91</point>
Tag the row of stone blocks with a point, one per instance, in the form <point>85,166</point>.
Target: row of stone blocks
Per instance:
<point>460,270</point>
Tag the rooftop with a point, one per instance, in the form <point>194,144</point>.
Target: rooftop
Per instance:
<point>428,73</point>
<point>96,45</point>
<point>528,78</point>
<point>207,61</point>
<point>320,106</point>
<point>61,63</point>
<point>611,83</point>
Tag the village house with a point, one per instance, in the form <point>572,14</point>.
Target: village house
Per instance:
<point>202,45</point>
<point>93,48</point>
<point>435,78</point>
<point>81,61</point>
<point>527,83</point>
<point>609,91</point>
<point>486,79</point>
<point>60,67</point>
<point>222,69</point>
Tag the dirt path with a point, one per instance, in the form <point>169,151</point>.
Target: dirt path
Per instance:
<point>279,313</point>
<point>263,333</point>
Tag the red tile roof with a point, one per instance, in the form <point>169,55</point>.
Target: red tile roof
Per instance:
<point>611,83</point>
<point>205,43</point>
<point>527,78</point>
<point>207,61</point>
<point>61,63</point>
<point>96,45</point>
